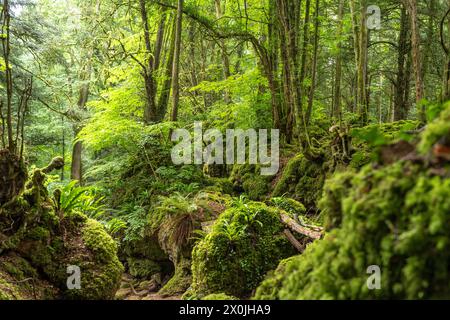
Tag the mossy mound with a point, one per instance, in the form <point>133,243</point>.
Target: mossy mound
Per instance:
<point>394,217</point>
<point>44,242</point>
<point>19,280</point>
<point>302,180</point>
<point>84,244</point>
<point>437,130</point>
<point>269,289</point>
<point>245,242</point>
<point>367,141</point>
<point>247,178</point>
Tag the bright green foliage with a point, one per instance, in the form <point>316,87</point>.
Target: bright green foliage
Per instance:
<point>74,197</point>
<point>245,242</point>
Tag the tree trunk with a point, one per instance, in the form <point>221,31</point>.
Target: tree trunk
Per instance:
<point>225,57</point>
<point>416,55</point>
<point>163,101</point>
<point>314,63</point>
<point>400,105</point>
<point>176,62</point>
<point>338,67</point>
<point>362,65</point>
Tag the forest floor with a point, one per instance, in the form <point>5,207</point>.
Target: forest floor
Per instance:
<point>131,289</point>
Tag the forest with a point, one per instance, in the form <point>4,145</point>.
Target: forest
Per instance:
<point>224,149</point>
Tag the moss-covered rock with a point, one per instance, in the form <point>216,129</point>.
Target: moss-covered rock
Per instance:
<point>437,130</point>
<point>247,178</point>
<point>301,180</point>
<point>368,141</point>
<point>46,241</point>
<point>245,242</point>
<point>20,280</point>
<point>396,218</point>
<point>289,205</point>
<point>270,288</point>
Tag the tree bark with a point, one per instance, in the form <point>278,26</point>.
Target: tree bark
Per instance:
<point>400,105</point>
<point>338,67</point>
<point>314,62</point>
<point>416,54</point>
<point>176,62</point>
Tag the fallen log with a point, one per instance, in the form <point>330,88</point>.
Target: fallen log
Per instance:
<point>294,226</point>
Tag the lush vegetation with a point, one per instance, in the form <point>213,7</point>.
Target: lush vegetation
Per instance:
<point>92,90</point>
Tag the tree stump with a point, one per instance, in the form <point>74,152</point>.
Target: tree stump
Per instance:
<point>13,176</point>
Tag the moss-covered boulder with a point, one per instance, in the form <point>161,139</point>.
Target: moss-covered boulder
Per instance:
<point>368,141</point>
<point>45,243</point>
<point>83,244</point>
<point>248,179</point>
<point>245,242</point>
<point>270,287</point>
<point>395,217</point>
<point>301,180</point>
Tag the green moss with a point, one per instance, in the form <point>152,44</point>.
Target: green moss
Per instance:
<point>102,271</point>
<point>96,239</point>
<point>38,233</point>
<point>330,203</point>
<point>244,243</point>
<point>180,281</point>
<point>289,205</point>
<point>142,268</point>
<point>223,185</point>
<point>219,296</point>
<point>302,180</point>
<point>8,291</point>
<point>395,217</point>
<point>255,186</point>
<point>436,130</point>
<point>366,141</point>
<point>273,282</point>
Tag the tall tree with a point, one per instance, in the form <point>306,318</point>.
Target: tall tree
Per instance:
<point>411,5</point>
<point>176,62</point>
